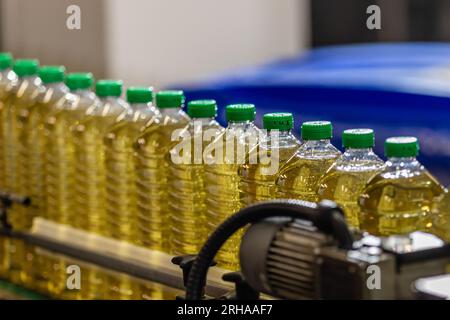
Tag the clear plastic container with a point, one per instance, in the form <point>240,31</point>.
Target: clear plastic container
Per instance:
<point>187,190</point>
<point>60,148</point>
<point>121,212</point>
<point>90,173</point>
<point>17,106</point>
<point>7,81</point>
<point>152,170</point>
<point>222,178</point>
<point>299,177</point>
<point>345,180</point>
<point>400,199</point>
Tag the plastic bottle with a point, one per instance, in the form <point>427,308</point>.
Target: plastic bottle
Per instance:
<point>17,104</point>
<point>33,136</point>
<point>121,210</point>
<point>347,177</point>
<point>400,198</point>
<point>60,149</point>
<point>222,178</point>
<point>257,180</point>
<point>53,96</point>
<point>187,178</point>
<point>90,175</point>
<point>60,163</point>
<point>120,165</point>
<point>152,162</point>
<point>7,81</point>
<point>22,98</point>
<point>299,177</point>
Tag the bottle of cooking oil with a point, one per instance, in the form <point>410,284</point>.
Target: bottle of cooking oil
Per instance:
<point>90,175</point>
<point>32,158</point>
<point>257,178</point>
<point>121,210</point>
<point>120,166</point>
<point>17,104</point>
<point>32,161</point>
<point>299,177</point>
<point>60,176</point>
<point>221,175</point>
<point>60,149</point>
<point>152,163</point>
<point>347,177</point>
<point>187,191</point>
<point>400,198</point>
<point>7,81</point>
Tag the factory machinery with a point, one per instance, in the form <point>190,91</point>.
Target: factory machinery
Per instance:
<point>291,250</point>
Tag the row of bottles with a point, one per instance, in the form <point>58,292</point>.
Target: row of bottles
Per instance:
<point>164,179</point>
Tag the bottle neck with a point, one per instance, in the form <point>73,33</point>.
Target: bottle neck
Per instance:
<point>83,92</point>
<point>169,111</point>
<point>141,106</point>
<point>358,152</point>
<point>57,86</point>
<point>31,79</point>
<point>203,121</point>
<point>109,99</point>
<point>239,124</point>
<point>403,161</point>
<point>317,143</point>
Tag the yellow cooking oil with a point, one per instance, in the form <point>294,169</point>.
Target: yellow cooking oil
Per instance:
<point>59,166</point>
<point>17,107</point>
<point>121,210</point>
<point>121,213</point>
<point>221,175</point>
<point>90,175</point>
<point>59,157</point>
<point>299,177</point>
<point>347,177</point>
<point>32,161</point>
<point>152,163</point>
<point>187,188</point>
<point>8,79</point>
<point>258,174</point>
<point>400,198</point>
<point>442,225</point>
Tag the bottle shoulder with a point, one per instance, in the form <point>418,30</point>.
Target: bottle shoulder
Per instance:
<point>358,162</point>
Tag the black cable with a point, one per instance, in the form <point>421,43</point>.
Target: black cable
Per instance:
<point>326,216</point>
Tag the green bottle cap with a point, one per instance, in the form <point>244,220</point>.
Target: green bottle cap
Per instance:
<point>358,138</point>
<point>283,121</point>
<point>51,74</point>
<point>5,60</point>
<point>401,147</point>
<point>202,108</point>
<point>140,94</point>
<point>240,112</point>
<point>108,88</point>
<point>80,80</point>
<point>170,99</point>
<point>26,67</point>
<point>317,130</point>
